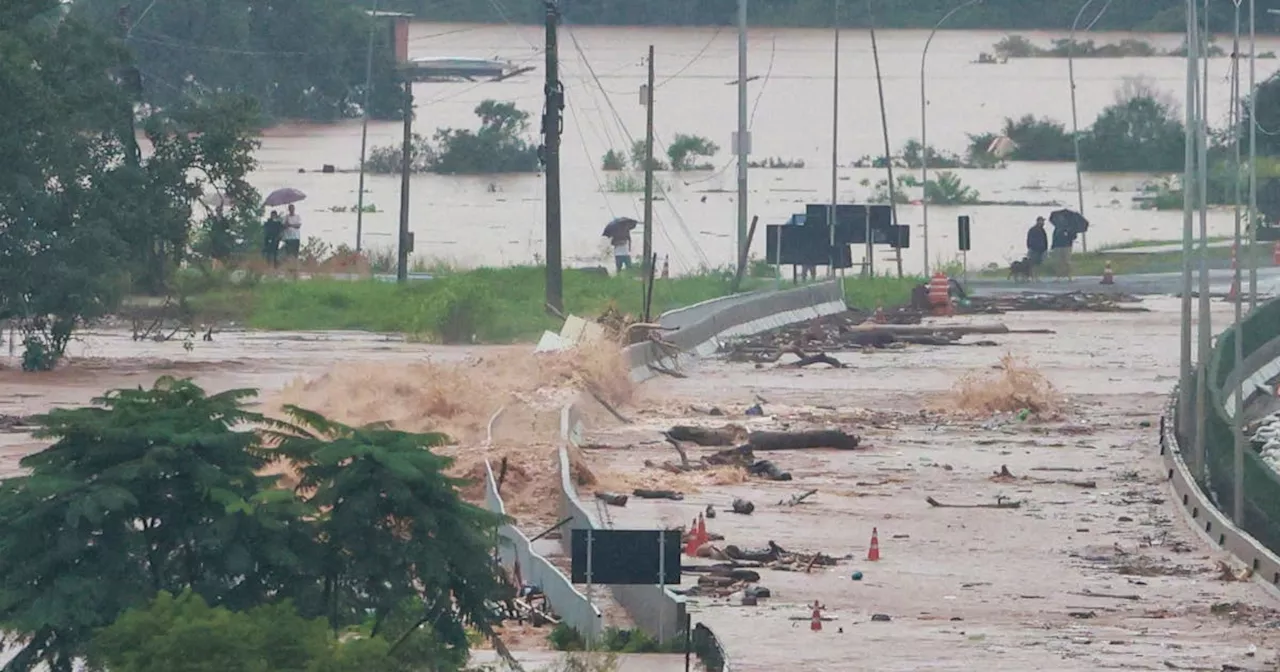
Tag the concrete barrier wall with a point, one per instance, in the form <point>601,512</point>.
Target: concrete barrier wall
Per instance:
<point>703,327</point>
<point>570,605</point>
<point>701,330</point>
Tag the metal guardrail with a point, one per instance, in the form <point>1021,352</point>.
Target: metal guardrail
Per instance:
<point>1257,540</point>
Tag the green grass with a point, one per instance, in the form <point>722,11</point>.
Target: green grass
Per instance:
<point>881,290</point>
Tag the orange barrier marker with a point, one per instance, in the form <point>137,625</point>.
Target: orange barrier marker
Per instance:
<point>873,553</point>
<point>691,546</point>
<point>1108,278</point>
<point>702,531</point>
<point>879,317</point>
<point>815,623</point>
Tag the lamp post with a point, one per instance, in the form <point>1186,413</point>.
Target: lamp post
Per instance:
<point>924,132</point>
<point>1075,121</point>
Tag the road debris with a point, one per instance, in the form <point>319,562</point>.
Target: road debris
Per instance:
<point>1006,476</point>
<point>612,498</point>
<point>729,435</point>
<point>643,493</point>
<point>1001,503</point>
<point>797,499</point>
<point>848,332</point>
<point>743,507</point>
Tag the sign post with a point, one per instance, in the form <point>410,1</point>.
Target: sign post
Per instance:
<point>591,605</point>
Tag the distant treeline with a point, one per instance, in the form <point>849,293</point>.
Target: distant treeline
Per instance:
<point>1129,15</point>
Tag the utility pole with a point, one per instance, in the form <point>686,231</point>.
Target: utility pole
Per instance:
<point>648,173</point>
<point>835,138</point>
<point>402,250</point>
<point>884,129</point>
<point>742,141</point>
<point>552,127</point>
<point>1190,183</point>
<point>364,125</point>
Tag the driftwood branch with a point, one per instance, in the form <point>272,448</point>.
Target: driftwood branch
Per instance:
<point>684,456</point>
<point>1001,503</point>
<point>608,407</point>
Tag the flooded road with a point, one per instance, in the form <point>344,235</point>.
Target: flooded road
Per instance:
<point>498,220</point>
<point>1097,569</point>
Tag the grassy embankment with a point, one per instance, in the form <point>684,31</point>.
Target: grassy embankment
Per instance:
<point>490,305</point>
<point>1093,262</point>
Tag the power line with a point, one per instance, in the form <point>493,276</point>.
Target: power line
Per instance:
<point>695,59</point>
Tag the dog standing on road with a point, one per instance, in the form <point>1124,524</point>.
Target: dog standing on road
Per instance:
<point>1021,270</point>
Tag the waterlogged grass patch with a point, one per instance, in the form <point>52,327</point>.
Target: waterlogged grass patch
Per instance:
<point>487,305</point>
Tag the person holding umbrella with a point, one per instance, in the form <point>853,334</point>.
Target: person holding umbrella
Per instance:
<point>618,232</point>
<point>292,234</point>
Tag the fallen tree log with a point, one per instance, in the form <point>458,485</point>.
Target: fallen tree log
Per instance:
<point>822,438</point>
<point>706,436</point>
<point>1001,503</point>
<point>809,360</point>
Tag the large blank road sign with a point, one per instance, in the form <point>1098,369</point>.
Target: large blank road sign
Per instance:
<point>626,557</point>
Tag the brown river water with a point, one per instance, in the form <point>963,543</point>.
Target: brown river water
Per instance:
<point>498,220</point>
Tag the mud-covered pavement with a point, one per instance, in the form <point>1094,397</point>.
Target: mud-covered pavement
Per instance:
<point>1077,578</point>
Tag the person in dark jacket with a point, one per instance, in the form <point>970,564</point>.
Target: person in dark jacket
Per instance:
<point>1064,237</point>
<point>271,232</point>
<point>1037,243</point>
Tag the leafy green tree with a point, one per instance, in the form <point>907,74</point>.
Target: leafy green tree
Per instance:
<point>1139,134</point>
<point>685,150</point>
<point>394,528</point>
<point>148,490</point>
<point>83,217</point>
<point>184,634</point>
<point>500,146</point>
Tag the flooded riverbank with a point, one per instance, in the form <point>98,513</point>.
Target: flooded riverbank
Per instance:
<point>498,220</point>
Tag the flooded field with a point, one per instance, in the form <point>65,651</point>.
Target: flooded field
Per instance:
<point>498,220</point>
<point>1095,569</point>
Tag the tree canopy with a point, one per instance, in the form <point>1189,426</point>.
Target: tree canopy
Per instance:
<point>159,491</point>
<point>84,215</point>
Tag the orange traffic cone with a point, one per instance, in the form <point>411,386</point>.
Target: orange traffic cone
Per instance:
<point>691,546</point>
<point>879,317</point>
<point>1108,278</point>
<point>666,268</point>
<point>1275,253</point>
<point>815,623</point>
<point>702,531</point>
<point>873,553</point>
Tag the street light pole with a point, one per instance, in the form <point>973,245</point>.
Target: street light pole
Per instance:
<point>364,125</point>
<point>1190,183</point>
<point>1075,120</point>
<point>924,133</point>
<point>1237,424</point>
<point>1253,157</point>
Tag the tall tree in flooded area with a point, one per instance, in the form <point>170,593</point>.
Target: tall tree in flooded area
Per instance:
<point>300,59</point>
<point>84,216</point>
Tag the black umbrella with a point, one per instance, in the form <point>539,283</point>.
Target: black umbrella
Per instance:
<point>619,227</point>
<point>1072,220</point>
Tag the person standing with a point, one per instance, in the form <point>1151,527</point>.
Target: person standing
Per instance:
<point>621,250</point>
<point>292,234</point>
<point>1037,243</point>
<point>1064,237</point>
<point>272,229</point>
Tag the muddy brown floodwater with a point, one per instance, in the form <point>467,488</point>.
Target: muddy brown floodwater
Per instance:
<point>1076,579</point>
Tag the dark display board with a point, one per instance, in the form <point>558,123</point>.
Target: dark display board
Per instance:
<point>626,557</point>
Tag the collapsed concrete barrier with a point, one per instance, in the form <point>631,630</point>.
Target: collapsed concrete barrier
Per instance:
<point>569,604</point>
<point>699,331</point>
